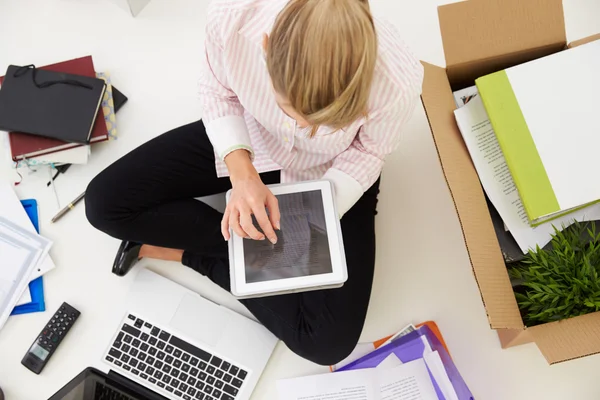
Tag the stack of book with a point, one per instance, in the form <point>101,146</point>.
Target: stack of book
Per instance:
<point>533,136</point>
<point>52,114</point>
<point>412,366</point>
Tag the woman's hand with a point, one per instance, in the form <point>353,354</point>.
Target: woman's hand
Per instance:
<point>249,197</point>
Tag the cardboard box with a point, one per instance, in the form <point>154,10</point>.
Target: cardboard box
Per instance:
<point>481,37</point>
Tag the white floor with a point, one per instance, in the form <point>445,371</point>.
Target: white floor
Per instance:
<point>422,269</point>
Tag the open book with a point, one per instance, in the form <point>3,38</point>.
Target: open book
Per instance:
<point>410,381</point>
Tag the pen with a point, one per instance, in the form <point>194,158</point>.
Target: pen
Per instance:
<point>68,208</point>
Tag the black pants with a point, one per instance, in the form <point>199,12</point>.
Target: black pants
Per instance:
<point>148,197</point>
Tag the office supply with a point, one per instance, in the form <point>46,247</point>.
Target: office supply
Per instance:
<point>176,343</point>
<point>543,112</point>
<point>50,104</point>
<point>68,208</point>
<point>362,349</point>
<point>61,169</point>
<point>409,381</point>
<point>28,146</point>
<point>51,336</point>
<point>108,106</point>
<point>422,344</point>
<point>32,300</point>
<point>21,252</point>
<point>119,99</point>
<point>498,183</point>
<point>308,255</point>
<point>12,210</point>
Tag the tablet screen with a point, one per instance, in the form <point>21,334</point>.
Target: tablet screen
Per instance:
<point>302,247</point>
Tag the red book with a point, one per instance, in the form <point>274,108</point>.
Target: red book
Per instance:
<point>23,145</point>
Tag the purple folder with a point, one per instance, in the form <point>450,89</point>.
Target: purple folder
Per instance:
<point>410,348</point>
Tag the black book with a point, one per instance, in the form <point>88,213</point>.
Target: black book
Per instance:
<point>50,104</point>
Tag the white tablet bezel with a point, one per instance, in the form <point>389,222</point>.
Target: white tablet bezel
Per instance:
<point>339,274</point>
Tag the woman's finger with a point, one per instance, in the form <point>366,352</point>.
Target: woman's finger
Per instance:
<point>274,215</point>
<point>265,224</point>
<point>225,225</point>
<point>234,222</point>
<point>248,226</point>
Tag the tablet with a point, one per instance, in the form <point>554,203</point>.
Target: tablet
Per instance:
<point>309,254</point>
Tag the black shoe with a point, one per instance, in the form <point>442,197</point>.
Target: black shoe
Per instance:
<point>127,256</point>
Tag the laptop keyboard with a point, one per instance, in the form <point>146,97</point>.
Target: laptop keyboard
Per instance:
<point>169,364</point>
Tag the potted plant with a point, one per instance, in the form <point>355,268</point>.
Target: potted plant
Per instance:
<point>562,281</point>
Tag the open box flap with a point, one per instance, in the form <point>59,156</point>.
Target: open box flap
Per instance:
<point>585,40</point>
<point>467,194</point>
<point>480,37</point>
<point>568,339</point>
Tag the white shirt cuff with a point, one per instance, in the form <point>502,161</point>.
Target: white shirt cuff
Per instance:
<point>347,190</point>
<point>228,134</point>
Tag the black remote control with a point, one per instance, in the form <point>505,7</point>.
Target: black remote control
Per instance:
<point>49,338</point>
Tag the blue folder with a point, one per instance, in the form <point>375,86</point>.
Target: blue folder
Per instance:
<point>36,286</point>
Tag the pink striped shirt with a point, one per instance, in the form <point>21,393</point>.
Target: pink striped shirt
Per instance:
<point>240,110</point>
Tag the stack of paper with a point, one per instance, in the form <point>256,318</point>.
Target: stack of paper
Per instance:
<point>414,367</point>
<point>24,253</point>
<point>497,180</point>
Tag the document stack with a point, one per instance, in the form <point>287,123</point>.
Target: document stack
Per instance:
<point>415,366</point>
<point>24,255</point>
<point>532,135</point>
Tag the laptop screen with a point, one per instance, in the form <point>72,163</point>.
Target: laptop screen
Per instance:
<point>95,385</point>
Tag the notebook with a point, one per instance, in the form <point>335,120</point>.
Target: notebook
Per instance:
<point>50,104</point>
<point>28,146</point>
<point>544,113</point>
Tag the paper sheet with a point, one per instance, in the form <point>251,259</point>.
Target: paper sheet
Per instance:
<point>349,385</point>
<point>437,369</point>
<point>390,361</point>
<point>12,209</point>
<point>20,252</point>
<point>25,298</point>
<point>498,183</point>
<point>408,381</point>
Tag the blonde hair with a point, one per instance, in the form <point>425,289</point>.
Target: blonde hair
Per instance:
<point>321,56</point>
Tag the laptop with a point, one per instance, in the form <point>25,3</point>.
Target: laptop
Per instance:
<point>174,344</point>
